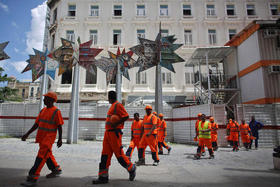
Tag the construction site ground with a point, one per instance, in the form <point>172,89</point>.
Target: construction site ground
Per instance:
<point>80,162</point>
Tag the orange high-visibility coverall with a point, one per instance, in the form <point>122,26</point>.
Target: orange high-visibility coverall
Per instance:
<point>48,121</point>
<point>112,142</point>
<point>205,141</point>
<point>214,133</point>
<point>161,135</point>
<point>244,132</point>
<point>197,132</point>
<point>233,127</point>
<point>136,130</point>
<point>151,140</point>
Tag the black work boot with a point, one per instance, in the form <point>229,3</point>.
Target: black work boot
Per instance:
<point>30,182</point>
<point>160,152</point>
<point>55,173</point>
<point>132,173</point>
<point>101,180</point>
<point>140,162</point>
<point>169,149</point>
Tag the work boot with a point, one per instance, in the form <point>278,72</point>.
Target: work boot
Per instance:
<point>101,180</point>
<point>55,173</point>
<point>140,162</point>
<point>160,152</point>
<point>156,163</point>
<point>30,182</point>
<point>203,153</point>
<point>132,173</point>
<point>169,149</point>
<point>197,156</point>
<point>211,157</point>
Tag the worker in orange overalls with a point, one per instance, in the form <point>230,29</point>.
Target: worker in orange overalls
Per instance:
<point>214,133</point>
<point>204,128</point>
<point>233,132</point>
<point>136,134</point>
<point>48,122</point>
<point>149,137</point>
<point>161,135</point>
<point>197,132</point>
<point>244,132</point>
<point>112,142</point>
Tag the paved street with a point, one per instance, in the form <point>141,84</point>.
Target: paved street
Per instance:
<point>80,165</point>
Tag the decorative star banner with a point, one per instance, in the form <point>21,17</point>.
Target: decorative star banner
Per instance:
<point>3,55</point>
<point>36,64</point>
<point>109,65</point>
<point>87,56</point>
<point>161,51</point>
<point>64,55</point>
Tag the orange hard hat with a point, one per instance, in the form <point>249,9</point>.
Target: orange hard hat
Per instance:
<point>148,107</point>
<point>211,118</point>
<point>160,115</point>
<point>199,114</point>
<point>114,118</point>
<point>155,113</point>
<point>51,95</point>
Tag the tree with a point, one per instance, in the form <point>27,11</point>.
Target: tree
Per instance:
<point>6,93</point>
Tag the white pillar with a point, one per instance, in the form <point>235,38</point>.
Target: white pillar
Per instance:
<point>119,83</point>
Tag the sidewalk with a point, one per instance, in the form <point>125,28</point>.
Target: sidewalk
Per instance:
<point>80,165</point>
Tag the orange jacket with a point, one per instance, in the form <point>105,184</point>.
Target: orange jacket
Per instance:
<point>214,128</point>
<point>48,121</point>
<point>196,125</point>
<point>162,129</point>
<point>244,129</point>
<point>148,123</point>
<point>136,128</point>
<point>233,127</point>
<point>118,109</point>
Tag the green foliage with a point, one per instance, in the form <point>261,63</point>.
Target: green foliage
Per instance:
<point>6,93</point>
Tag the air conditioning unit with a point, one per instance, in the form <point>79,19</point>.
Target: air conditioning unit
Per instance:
<point>274,69</point>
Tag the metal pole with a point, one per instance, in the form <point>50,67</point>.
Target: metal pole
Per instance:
<point>158,90</point>
<point>73,124</point>
<point>119,83</point>
<point>208,79</point>
<point>44,80</point>
<point>199,76</point>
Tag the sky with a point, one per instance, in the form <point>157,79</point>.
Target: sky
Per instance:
<point>22,23</point>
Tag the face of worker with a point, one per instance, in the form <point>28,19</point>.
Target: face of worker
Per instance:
<point>243,121</point>
<point>148,111</point>
<point>253,118</point>
<point>203,117</point>
<point>161,117</point>
<point>48,101</point>
<point>136,117</point>
<point>199,117</point>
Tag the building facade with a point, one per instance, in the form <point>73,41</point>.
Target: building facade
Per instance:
<point>118,23</point>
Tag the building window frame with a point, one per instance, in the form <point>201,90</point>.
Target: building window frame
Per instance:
<point>141,78</point>
<point>212,36</point>
<point>210,10</point>
<point>166,78</point>
<point>164,32</point>
<point>251,9</point>
<point>140,34</point>
<point>93,35</point>
<point>91,79</point>
<point>94,10</point>
<point>117,37</point>
<point>117,10</point>
<point>231,33</point>
<point>140,10</point>
<point>70,35</point>
<point>163,10</point>
<point>274,9</point>
<point>65,77</point>
<point>187,10</point>
<point>188,37</point>
<point>230,10</point>
<point>72,10</point>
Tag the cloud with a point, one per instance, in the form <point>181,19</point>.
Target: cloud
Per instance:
<point>19,66</point>
<point>16,50</point>
<point>4,7</point>
<point>34,38</point>
<point>14,24</point>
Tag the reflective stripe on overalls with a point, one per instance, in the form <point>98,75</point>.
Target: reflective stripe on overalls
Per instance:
<point>50,122</point>
<point>206,135</point>
<point>244,131</point>
<point>114,112</point>
<point>148,126</point>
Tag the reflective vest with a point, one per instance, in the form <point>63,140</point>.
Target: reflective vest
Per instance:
<point>161,128</point>
<point>234,127</point>
<point>108,122</point>
<point>206,135</point>
<point>214,125</point>
<point>148,124</point>
<point>244,129</point>
<point>136,128</point>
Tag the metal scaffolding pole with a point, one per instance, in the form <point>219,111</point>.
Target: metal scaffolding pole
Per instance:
<point>208,78</point>
<point>158,90</point>
<point>73,125</point>
<point>119,83</point>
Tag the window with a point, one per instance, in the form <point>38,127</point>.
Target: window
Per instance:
<point>94,10</point>
<point>212,37</point>
<point>187,10</point>
<point>93,36</point>
<point>189,78</point>
<point>52,39</point>
<point>166,78</point>
<point>23,93</point>
<point>251,10</point>
<point>231,33</point>
<point>163,10</point>
<point>117,10</point>
<point>32,92</point>
<point>72,10</point>
<point>70,36</point>
<point>274,9</point>
<point>230,10</point>
<point>141,10</point>
<point>141,78</point>
<point>210,10</point>
<point>140,34</point>
<point>66,77</point>
<point>164,33</point>
<point>54,16</point>
<point>114,80</point>
<point>91,78</point>
<point>188,37</point>
<point>116,37</point>
<point>38,92</point>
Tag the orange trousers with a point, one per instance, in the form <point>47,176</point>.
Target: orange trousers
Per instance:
<point>112,143</point>
<point>162,143</point>
<point>133,143</point>
<point>245,139</point>
<point>234,136</point>
<point>214,137</point>
<point>204,142</point>
<point>44,156</point>
<point>152,142</point>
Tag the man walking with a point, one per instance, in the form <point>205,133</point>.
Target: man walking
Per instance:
<point>233,132</point>
<point>161,135</point>
<point>255,126</point>
<point>214,133</point>
<point>112,142</point>
<point>244,132</point>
